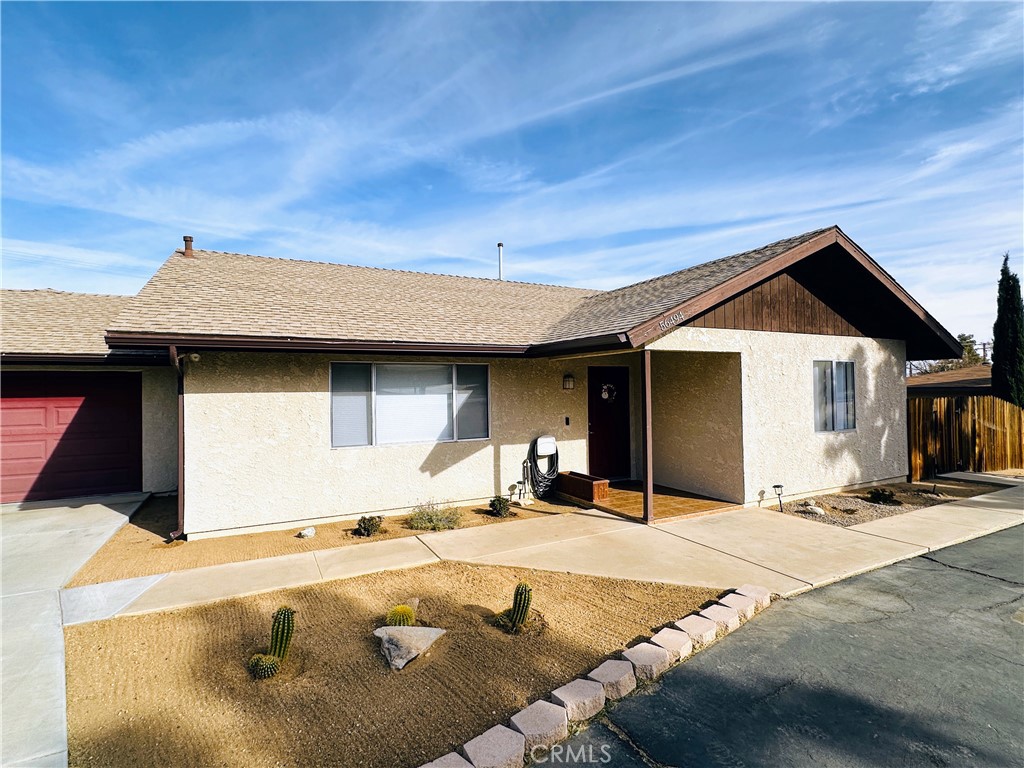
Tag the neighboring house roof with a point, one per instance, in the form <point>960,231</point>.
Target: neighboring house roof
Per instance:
<point>975,380</point>
<point>47,323</point>
<point>237,301</point>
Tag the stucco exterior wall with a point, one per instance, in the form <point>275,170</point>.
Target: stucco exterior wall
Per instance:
<point>780,444</point>
<point>258,451</point>
<point>159,420</point>
<point>697,423</point>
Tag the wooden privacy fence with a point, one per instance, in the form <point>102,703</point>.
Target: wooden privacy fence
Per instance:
<point>963,434</point>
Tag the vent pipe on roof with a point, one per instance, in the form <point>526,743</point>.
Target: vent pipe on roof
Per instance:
<point>188,246</point>
<point>500,247</point>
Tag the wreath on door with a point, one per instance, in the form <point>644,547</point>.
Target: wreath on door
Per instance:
<point>608,392</point>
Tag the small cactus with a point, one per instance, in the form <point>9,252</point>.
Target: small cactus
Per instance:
<point>263,666</point>
<point>520,605</point>
<point>281,632</point>
<point>401,616</point>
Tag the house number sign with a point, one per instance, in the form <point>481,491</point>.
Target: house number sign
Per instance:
<point>671,321</point>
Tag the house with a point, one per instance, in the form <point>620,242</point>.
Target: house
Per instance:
<point>310,392</point>
<point>959,382</point>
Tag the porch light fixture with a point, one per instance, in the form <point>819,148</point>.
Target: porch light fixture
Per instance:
<point>778,492</point>
<point>568,382</point>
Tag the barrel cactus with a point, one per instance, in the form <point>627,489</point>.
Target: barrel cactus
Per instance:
<point>401,616</point>
<point>520,605</point>
<point>263,666</point>
<point>281,632</point>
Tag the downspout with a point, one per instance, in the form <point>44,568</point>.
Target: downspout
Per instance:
<point>176,362</point>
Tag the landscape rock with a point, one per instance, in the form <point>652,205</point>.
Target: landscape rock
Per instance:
<point>307,533</point>
<point>616,676</point>
<point>582,699</point>
<point>499,747</point>
<point>413,602</point>
<point>542,724</point>
<point>743,604</point>
<point>814,510</point>
<point>400,645</point>
<point>760,594</point>
<point>675,641</point>
<point>648,661</point>
<point>700,629</point>
<point>725,617</point>
<point>451,760</point>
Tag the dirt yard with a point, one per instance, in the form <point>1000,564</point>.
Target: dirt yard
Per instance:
<point>141,547</point>
<point>172,688</point>
<point>853,507</point>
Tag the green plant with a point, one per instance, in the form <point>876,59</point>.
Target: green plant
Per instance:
<point>521,600</point>
<point>262,666</point>
<point>368,525</point>
<point>500,507</point>
<point>431,516</point>
<point>1008,338</point>
<point>883,496</point>
<point>281,632</point>
<point>400,616</point>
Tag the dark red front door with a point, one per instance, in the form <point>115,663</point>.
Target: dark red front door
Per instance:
<point>69,434</point>
<point>608,416</point>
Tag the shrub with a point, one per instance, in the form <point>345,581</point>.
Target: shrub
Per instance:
<point>368,525</point>
<point>883,496</point>
<point>262,666</point>
<point>500,507</point>
<point>434,517</point>
<point>400,616</point>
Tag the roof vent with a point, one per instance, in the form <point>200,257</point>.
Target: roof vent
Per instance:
<point>188,246</point>
<point>501,247</point>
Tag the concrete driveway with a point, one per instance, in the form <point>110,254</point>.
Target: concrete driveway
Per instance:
<point>42,545</point>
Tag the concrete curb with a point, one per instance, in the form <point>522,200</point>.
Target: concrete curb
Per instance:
<point>569,703</point>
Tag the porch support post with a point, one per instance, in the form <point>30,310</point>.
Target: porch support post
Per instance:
<point>647,448</point>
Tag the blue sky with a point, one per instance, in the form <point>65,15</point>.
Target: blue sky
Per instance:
<point>603,143</point>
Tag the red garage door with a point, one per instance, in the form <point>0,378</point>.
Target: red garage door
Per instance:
<point>69,434</point>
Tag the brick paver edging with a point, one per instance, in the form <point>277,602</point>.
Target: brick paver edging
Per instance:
<point>538,727</point>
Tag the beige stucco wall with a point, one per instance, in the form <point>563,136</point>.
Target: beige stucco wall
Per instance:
<point>697,423</point>
<point>159,420</point>
<point>779,441</point>
<point>258,451</point>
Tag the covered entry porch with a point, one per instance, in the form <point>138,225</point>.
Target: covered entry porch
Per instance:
<point>665,430</point>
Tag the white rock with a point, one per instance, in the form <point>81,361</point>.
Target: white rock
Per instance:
<point>542,724</point>
<point>582,699</point>
<point>400,645</point>
<point>499,747</point>
<point>307,533</point>
<point>674,641</point>
<point>648,661</point>
<point>700,629</point>
<point>760,594</point>
<point>616,676</point>
<point>813,510</point>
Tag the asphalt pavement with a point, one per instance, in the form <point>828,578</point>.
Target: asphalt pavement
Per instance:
<point>920,663</point>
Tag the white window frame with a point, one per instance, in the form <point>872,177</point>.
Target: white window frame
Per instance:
<point>373,404</point>
<point>814,398</point>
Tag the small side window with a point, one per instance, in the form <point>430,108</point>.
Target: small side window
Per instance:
<point>351,404</point>
<point>834,396</point>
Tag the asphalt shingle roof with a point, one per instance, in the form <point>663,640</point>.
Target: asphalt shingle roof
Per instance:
<point>226,294</point>
<point>48,322</point>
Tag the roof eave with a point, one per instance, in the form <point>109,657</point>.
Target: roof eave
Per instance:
<point>231,342</point>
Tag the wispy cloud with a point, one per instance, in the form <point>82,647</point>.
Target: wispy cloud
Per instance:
<point>603,144</point>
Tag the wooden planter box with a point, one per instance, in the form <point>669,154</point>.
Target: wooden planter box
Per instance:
<point>581,486</point>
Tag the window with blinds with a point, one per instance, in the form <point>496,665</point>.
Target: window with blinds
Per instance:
<point>377,404</point>
<point>834,396</point>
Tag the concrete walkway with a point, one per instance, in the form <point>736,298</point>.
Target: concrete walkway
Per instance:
<point>41,548</point>
<point>786,554</point>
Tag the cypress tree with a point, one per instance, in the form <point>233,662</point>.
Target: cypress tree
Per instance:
<point>1008,338</point>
